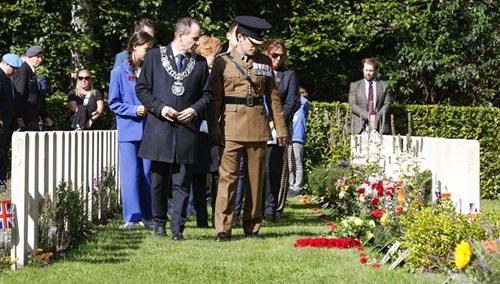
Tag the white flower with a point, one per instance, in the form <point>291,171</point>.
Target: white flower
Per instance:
<point>371,224</point>
<point>341,194</point>
<point>358,221</point>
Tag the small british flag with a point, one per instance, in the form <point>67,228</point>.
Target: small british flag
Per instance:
<point>6,215</point>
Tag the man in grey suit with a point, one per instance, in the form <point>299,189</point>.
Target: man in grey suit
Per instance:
<point>370,100</point>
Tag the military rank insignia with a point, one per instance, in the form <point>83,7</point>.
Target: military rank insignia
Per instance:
<point>263,70</point>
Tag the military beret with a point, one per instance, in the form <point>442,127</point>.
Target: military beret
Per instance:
<point>12,60</point>
<point>253,27</point>
<point>34,51</point>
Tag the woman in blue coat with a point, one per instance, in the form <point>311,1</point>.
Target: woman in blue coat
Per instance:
<point>135,172</point>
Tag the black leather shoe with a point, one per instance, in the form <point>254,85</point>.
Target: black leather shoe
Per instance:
<point>222,237</point>
<point>203,224</point>
<point>177,237</point>
<point>236,221</point>
<point>159,230</point>
<point>254,235</point>
<point>270,217</point>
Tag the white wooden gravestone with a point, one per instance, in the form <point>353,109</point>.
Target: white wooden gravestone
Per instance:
<point>454,163</point>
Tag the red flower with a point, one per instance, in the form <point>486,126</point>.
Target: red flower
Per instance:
<point>331,226</point>
<point>377,213</point>
<point>380,188</point>
<point>361,190</point>
<point>376,265</point>
<point>374,202</point>
<point>340,243</point>
<point>399,209</point>
<point>363,259</point>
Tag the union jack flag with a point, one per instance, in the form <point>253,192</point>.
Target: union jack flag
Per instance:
<point>6,215</point>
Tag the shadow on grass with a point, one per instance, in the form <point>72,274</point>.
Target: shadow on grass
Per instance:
<point>294,220</point>
<point>266,235</point>
<point>109,246</point>
<point>302,206</point>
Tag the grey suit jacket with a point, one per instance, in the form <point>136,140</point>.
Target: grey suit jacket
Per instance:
<point>358,100</point>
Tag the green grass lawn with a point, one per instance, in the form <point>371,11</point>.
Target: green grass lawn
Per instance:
<point>114,256</point>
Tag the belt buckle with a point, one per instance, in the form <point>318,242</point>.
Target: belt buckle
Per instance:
<point>249,102</point>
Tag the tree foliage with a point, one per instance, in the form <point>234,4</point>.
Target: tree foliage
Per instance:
<point>432,51</point>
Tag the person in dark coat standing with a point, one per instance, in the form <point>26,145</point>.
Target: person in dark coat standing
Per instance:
<point>276,182</point>
<point>8,66</point>
<point>174,87</point>
<point>29,100</point>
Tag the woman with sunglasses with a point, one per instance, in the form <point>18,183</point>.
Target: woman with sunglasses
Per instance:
<point>85,102</point>
<point>276,183</point>
<point>135,172</point>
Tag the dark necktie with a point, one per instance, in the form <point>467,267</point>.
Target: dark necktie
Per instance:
<point>178,62</point>
<point>369,105</point>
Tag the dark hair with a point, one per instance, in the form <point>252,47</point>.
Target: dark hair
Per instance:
<point>184,25</point>
<point>370,60</point>
<point>136,39</point>
<point>146,22</point>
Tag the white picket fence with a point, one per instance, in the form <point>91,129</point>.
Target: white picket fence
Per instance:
<point>40,161</point>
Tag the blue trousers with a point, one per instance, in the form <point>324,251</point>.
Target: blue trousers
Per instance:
<point>135,183</point>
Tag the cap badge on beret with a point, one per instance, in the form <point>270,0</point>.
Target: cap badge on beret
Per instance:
<point>253,27</point>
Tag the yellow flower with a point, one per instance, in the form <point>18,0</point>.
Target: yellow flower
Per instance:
<point>463,253</point>
<point>369,236</point>
<point>384,219</point>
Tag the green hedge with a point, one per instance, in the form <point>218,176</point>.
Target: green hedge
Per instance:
<point>328,140</point>
<point>329,123</point>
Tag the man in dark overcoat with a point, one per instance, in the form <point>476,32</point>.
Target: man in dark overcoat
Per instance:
<point>174,87</point>
<point>29,100</point>
<point>8,66</point>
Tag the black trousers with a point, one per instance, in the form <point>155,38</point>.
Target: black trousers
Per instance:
<point>200,199</point>
<point>274,167</point>
<point>213,191</point>
<point>170,179</point>
<point>5,141</point>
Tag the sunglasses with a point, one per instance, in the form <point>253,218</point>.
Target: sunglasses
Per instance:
<point>81,78</point>
<point>276,55</point>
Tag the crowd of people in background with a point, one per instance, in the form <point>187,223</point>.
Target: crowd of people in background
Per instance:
<point>193,124</point>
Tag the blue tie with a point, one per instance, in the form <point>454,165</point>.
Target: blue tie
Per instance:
<point>178,62</point>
